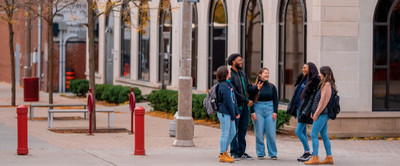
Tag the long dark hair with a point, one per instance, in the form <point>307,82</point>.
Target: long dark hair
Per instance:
<point>327,72</point>
<point>258,79</point>
<point>311,75</point>
<point>312,72</point>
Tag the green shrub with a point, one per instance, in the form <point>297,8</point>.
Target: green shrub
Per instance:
<point>100,89</point>
<point>167,100</point>
<point>79,87</point>
<point>164,100</point>
<point>283,118</point>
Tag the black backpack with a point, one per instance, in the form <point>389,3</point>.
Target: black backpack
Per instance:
<point>333,105</point>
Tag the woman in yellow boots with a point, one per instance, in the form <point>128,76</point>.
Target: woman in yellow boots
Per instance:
<point>227,112</point>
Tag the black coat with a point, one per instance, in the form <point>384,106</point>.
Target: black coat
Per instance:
<point>242,99</point>
<point>306,103</point>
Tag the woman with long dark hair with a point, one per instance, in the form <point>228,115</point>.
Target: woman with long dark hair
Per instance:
<point>264,113</point>
<point>301,103</point>
<point>320,115</point>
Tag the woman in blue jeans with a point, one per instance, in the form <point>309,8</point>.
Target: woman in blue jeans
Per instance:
<point>320,116</point>
<point>264,113</point>
<point>306,87</point>
<point>227,112</point>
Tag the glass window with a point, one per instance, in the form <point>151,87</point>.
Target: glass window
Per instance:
<point>125,42</point>
<point>144,41</point>
<point>252,37</point>
<point>194,45</point>
<point>218,39</point>
<point>386,79</point>
<point>165,50</point>
<point>292,45</point>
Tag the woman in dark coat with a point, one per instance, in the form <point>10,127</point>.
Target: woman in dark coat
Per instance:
<point>306,87</point>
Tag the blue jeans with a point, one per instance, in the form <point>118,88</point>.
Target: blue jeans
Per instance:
<point>301,132</point>
<point>228,131</point>
<point>321,126</point>
<point>265,125</point>
<point>238,145</point>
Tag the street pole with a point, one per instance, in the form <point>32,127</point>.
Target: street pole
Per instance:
<point>39,51</point>
<point>184,120</point>
<point>27,68</point>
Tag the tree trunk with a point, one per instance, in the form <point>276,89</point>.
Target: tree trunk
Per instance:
<point>11,45</point>
<point>50,61</point>
<point>91,21</point>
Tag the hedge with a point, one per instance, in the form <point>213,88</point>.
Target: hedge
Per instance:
<point>167,100</point>
<point>79,87</point>
<point>109,93</point>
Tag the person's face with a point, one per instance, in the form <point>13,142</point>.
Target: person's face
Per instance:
<point>238,62</point>
<point>264,75</point>
<point>321,75</point>
<point>229,75</point>
<point>305,69</point>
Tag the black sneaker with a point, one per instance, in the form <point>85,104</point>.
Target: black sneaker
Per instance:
<point>274,158</point>
<point>305,157</point>
<point>245,156</point>
<point>235,157</point>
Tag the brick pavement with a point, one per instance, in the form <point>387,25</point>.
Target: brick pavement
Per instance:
<point>117,148</point>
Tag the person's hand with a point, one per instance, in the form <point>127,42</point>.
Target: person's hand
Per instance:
<point>251,103</point>
<point>260,85</point>
<point>254,117</point>
<point>314,118</point>
<point>238,116</point>
<point>274,116</point>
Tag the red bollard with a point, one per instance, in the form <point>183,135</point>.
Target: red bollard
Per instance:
<point>132,106</point>
<point>139,131</point>
<point>22,112</point>
<point>90,110</point>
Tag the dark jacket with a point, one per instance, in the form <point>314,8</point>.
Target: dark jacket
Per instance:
<point>305,106</point>
<point>238,87</point>
<point>267,93</point>
<point>227,103</point>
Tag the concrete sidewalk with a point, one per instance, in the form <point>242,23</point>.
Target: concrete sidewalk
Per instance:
<point>48,148</point>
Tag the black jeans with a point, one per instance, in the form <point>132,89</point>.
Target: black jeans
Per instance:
<point>238,144</point>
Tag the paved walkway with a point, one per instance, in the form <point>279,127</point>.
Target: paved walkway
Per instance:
<point>48,148</point>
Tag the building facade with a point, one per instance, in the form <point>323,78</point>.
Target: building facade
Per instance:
<point>359,39</point>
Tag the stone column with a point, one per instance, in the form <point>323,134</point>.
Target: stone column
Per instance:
<point>184,121</point>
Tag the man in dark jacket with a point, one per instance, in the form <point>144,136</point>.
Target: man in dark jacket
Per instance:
<point>241,86</point>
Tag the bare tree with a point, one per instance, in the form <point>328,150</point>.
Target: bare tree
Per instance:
<point>8,7</point>
<point>50,9</point>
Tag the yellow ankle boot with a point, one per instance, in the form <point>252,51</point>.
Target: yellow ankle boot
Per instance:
<point>227,155</point>
<point>328,160</point>
<point>223,158</point>
<point>313,161</point>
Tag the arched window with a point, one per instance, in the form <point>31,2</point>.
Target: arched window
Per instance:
<point>252,23</point>
<point>218,23</point>
<point>386,56</point>
<point>125,41</point>
<point>165,45</point>
<point>292,44</point>
<point>194,44</point>
<point>144,41</point>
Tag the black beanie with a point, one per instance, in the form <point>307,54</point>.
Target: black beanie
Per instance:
<point>232,57</point>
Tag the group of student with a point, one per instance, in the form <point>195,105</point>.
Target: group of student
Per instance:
<point>238,100</point>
